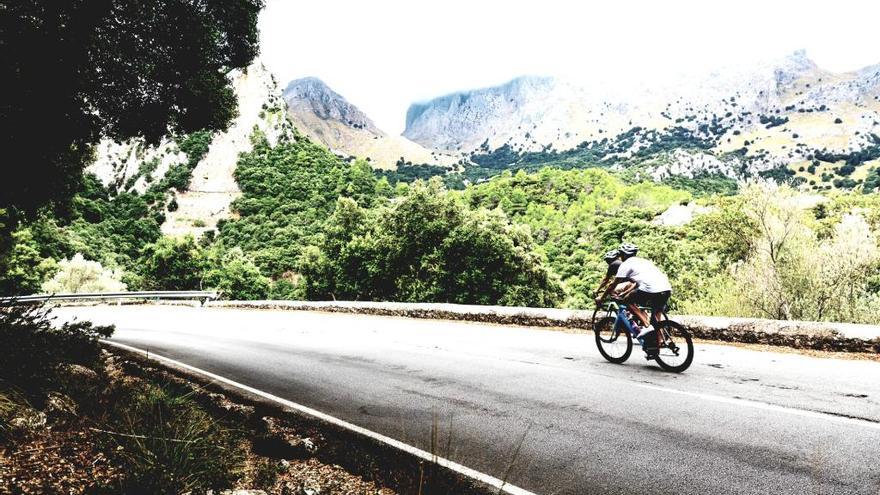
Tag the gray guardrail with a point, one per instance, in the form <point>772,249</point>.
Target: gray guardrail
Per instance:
<point>103,296</point>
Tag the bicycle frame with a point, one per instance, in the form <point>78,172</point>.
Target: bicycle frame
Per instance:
<point>622,320</point>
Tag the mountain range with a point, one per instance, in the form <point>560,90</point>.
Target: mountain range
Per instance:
<point>786,119</point>
<point>328,118</point>
<point>780,113</point>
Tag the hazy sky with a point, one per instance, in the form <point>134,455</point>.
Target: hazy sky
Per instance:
<point>384,54</point>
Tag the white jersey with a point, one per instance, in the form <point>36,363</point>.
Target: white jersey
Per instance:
<point>644,273</point>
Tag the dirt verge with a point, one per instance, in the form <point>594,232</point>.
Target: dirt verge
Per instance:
<point>280,432</point>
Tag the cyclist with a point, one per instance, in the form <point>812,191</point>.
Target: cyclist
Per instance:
<point>651,289</point>
<point>613,259</point>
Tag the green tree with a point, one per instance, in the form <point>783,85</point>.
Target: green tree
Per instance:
<point>427,246</point>
<point>235,276</point>
<point>288,191</point>
<point>23,271</point>
<point>172,264</point>
<point>76,71</point>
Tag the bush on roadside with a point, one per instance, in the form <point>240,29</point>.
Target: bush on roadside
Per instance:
<point>427,247</point>
<point>24,268</point>
<point>235,276</point>
<point>37,350</point>
<point>81,275</point>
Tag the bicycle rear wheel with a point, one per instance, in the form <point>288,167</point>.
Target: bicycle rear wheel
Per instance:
<point>675,351</point>
<point>614,345</point>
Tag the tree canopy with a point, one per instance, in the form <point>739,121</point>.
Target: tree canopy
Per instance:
<point>427,246</point>
<point>78,70</point>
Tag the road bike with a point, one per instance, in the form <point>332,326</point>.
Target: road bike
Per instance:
<point>615,331</point>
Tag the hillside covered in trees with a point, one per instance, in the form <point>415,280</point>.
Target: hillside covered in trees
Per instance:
<point>311,225</point>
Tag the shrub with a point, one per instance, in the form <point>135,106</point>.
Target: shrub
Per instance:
<point>81,275</point>
<point>41,348</point>
<point>167,444</point>
<point>23,269</point>
<point>779,279</point>
<point>286,290</point>
<point>172,264</point>
<point>428,247</point>
<point>236,276</point>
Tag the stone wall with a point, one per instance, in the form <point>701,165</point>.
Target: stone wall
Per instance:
<point>845,337</point>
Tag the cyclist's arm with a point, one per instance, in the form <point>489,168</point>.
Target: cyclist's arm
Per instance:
<point>602,285</point>
<point>611,286</point>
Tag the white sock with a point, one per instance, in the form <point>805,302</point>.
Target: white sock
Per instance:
<point>645,331</point>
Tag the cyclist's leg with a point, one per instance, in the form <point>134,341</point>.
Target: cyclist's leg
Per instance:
<point>658,305</point>
<point>633,301</point>
<point>639,313</point>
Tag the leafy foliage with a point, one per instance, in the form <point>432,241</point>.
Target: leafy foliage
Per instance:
<point>704,184</point>
<point>126,69</point>
<point>793,273</point>
<point>576,215</point>
<point>427,246</point>
<point>81,275</point>
<point>410,173</point>
<point>235,275</point>
<point>42,348</point>
<point>288,192</point>
<point>24,269</point>
<point>172,264</point>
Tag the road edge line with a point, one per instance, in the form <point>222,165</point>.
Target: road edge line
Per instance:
<point>405,447</point>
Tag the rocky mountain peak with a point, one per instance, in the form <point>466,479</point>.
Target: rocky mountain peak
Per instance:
<point>328,118</point>
<point>450,122</point>
<point>312,95</point>
<point>793,67</point>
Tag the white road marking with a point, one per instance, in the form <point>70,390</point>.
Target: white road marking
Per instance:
<point>765,406</point>
<point>422,454</point>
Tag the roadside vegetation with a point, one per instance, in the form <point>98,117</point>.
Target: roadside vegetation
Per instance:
<point>75,419</point>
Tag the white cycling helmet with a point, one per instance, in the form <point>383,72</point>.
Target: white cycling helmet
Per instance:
<point>611,255</point>
<point>628,249</point>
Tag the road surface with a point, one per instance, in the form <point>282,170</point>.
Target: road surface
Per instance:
<point>738,421</point>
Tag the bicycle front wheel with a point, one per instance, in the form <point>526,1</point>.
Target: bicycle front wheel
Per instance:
<point>614,345</point>
<point>675,351</point>
<point>601,312</point>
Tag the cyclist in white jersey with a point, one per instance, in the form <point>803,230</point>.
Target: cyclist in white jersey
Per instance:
<point>651,289</point>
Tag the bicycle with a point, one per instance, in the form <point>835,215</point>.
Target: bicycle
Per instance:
<point>615,333</point>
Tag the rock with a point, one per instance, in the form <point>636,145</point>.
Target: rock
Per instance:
<point>28,420</point>
<point>678,215</point>
<point>60,407</point>
<point>277,447</point>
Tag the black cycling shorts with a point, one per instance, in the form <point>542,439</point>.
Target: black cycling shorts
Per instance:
<point>655,301</point>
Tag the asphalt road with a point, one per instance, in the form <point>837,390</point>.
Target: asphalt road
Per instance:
<point>738,421</point>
